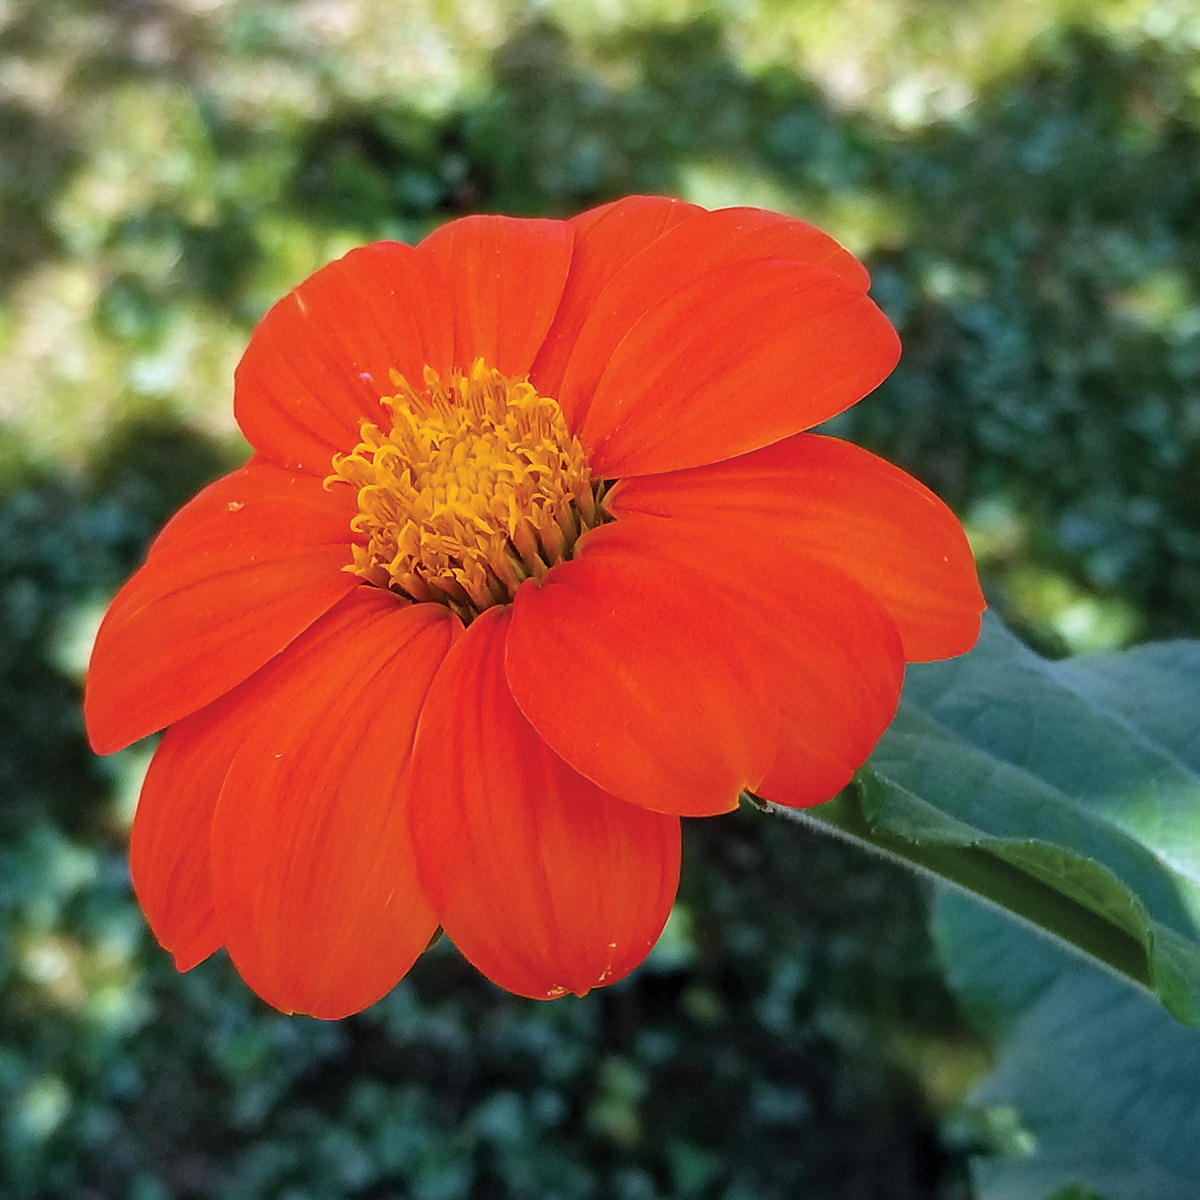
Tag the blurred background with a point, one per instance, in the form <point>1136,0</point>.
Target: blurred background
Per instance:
<point>1023,179</point>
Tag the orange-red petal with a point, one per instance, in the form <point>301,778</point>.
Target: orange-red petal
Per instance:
<point>760,232</point>
<point>833,502</point>
<point>168,845</point>
<point>673,675</point>
<point>506,278</point>
<point>545,883</point>
<point>239,571</point>
<point>321,358</point>
<point>314,880</point>
<point>732,362</point>
<point>606,238</point>
<point>840,670</point>
<point>628,664</point>
<point>641,263</point>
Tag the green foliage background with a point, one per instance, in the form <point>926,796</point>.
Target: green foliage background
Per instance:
<point>1023,180</point>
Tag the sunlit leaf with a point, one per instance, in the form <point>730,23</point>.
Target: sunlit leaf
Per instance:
<point>1067,792</point>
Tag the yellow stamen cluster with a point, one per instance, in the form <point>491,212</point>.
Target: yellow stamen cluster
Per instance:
<point>477,486</point>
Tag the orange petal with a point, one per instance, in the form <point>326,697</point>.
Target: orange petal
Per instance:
<point>654,262</point>
<point>237,573</point>
<point>628,665</point>
<point>673,675</point>
<point>734,361</point>
<point>830,501</point>
<point>506,278</point>
<point>314,879</point>
<point>776,235</point>
<point>168,845</point>
<point>323,355</point>
<point>542,881</point>
<point>839,672</point>
<point>606,238</point>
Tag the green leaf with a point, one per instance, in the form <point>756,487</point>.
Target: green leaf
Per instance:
<point>1102,1081</point>
<point>1066,792</point>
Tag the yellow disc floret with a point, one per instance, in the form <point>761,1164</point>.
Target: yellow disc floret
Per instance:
<point>478,486</point>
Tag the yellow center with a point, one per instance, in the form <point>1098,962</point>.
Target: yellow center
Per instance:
<point>477,486</point>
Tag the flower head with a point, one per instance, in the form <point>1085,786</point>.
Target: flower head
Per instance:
<point>531,558</point>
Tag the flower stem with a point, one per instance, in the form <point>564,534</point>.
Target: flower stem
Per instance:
<point>982,874</point>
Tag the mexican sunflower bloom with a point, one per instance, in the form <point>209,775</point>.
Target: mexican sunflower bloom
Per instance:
<point>531,558</point>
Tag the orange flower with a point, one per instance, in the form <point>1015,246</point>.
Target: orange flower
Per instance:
<point>530,559</point>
